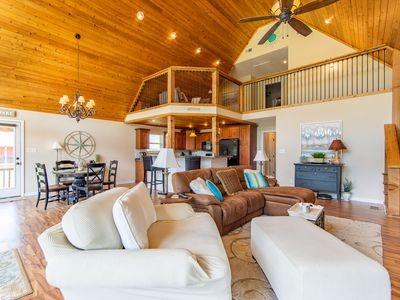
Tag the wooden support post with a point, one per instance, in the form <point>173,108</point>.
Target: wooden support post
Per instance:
<point>214,133</point>
<point>171,85</point>
<point>170,143</point>
<point>215,87</point>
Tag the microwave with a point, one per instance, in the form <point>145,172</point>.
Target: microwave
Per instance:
<point>206,146</point>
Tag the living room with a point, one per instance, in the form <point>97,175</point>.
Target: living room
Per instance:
<point>256,157</point>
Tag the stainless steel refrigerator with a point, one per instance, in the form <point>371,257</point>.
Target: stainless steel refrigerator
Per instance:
<point>230,148</point>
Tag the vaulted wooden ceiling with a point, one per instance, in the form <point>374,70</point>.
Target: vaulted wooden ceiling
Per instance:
<point>38,49</point>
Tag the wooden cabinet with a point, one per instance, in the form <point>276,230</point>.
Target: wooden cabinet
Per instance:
<point>180,141</point>
<point>244,144</point>
<point>142,138</point>
<point>190,142</point>
<point>139,171</point>
<point>230,132</point>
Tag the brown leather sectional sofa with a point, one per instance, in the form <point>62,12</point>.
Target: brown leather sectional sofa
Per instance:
<point>240,208</point>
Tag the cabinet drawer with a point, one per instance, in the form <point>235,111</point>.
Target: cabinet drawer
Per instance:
<point>328,176</point>
<point>305,168</point>
<point>317,185</point>
<point>326,169</point>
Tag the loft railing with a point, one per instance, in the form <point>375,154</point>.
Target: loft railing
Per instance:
<point>188,85</point>
<point>346,76</point>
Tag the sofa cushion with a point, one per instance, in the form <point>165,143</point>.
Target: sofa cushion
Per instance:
<point>133,214</point>
<point>230,181</point>
<point>89,225</point>
<point>199,186</point>
<point>181,180</point>
<point>214,190</point>
<point>255,200</point>
<point>301,194</point>
<point>233,209</point>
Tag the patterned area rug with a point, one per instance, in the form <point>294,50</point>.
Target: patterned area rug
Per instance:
<point>248,280</point>
<point>14,283</point>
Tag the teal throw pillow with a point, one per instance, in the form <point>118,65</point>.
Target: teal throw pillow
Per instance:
<point>262,182</point>
<point>215,190</point>
<point>251,180</point>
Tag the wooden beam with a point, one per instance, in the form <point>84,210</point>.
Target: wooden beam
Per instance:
<point>214,133</point>
<point>171,85</point>
<point>170,137</point>
<point>215,87</point>
<point>396,90</point>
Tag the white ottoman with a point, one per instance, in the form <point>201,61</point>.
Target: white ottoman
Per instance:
<point>302,261</point>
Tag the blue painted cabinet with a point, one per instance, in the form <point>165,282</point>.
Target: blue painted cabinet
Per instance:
<point>321,178</point>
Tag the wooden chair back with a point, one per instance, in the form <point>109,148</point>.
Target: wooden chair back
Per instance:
<point>95,173</point>
<point>112,171</point>
<point>41,177</point>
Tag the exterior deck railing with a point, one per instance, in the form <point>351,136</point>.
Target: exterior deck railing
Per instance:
<point>7,177</point>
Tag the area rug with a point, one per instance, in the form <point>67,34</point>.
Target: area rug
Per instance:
<point>248,280</point>
<point>14,283</point>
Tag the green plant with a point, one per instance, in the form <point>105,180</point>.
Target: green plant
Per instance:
<point>318,155</point>
<point>97,158</point>
<point>347,186</point>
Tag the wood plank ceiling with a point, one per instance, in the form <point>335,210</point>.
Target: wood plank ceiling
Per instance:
<point>38,49</point>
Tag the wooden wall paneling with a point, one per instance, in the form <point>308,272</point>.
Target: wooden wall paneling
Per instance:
<point>244,144</point>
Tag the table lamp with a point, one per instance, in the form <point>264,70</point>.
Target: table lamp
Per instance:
<point>337,145</point>
<point>166,160</point>
<point>56,146</point>
<point>261,157</point>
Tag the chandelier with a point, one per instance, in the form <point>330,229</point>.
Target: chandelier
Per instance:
<point>77,109</point>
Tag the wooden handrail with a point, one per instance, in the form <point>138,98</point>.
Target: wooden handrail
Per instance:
<point>320,63</point>
<point>392,151</point>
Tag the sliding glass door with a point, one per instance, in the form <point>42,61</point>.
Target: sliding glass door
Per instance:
<point>10,159</point>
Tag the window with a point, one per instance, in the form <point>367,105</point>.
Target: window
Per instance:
<point>155,142</point>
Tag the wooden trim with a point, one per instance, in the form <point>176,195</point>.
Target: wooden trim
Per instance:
<point>278,74</point>
<point>396,89</point>
<point>158,74</point>
<point>215,87</point>
<point>230,78</point>
<point>214,133</point>
<point>171,86</point>
<point>392,151</point>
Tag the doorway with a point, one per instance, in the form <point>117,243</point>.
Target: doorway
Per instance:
<point>270,151</point>
<point>10,159</point>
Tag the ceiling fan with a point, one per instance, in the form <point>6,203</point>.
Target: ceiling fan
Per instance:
<point>287,11</point>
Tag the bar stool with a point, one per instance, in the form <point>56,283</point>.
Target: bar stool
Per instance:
<point>148,167</point>
<point>192,163</point>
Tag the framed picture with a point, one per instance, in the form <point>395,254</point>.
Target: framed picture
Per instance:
<point>317,137</point>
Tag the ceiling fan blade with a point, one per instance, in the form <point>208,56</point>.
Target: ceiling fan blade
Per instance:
<point>300,27</point>
<point>269,32</point>
<point>258,18</point>
<point>313,6</point>
<point>285,4</point>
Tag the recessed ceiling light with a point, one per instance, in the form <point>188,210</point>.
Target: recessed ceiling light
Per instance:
<point>198,50</point>
<point>173,35</point>
<point>190,126</point>
<point>153,121</point>
<point>223,122</point>
<point>285,61</point>
<point>328,21</point>
<point>217,62</point>
<point>140,15</point>
<point>205,124</point>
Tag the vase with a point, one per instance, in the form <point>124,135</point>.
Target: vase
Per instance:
<point>346,196</point>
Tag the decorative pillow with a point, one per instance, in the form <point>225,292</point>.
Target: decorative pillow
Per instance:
<point>230,181</point>
<point>199,186</point>
<point>89,225</point>
<point>255,179</point>
<point>214,190</point>
<point>133,214</point>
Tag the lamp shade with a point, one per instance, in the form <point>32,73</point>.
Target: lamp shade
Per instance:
<point>56,146</point>
<point>337,145</point>
<point>166,159</point>
<point>261,156</point>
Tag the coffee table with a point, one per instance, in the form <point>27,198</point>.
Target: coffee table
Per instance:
<point>316,214</point>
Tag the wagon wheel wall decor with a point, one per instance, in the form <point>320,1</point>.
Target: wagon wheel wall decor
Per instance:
<point>79,144</point>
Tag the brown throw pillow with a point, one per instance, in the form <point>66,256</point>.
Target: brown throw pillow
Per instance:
<point>230,181</point>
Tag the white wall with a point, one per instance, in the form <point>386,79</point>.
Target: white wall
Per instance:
<point>301,50</point>
<point>114,140</point>
<point>363,119</point>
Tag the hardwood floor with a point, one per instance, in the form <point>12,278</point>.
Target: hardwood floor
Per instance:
<point>21,222</point>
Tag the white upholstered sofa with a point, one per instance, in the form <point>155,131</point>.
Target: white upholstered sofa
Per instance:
<point>185,258</point>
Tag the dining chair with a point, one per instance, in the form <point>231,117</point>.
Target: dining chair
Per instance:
<point>45,188</point>
<point>65,165</point>
<point>112,175</point>
<point>94,180</point>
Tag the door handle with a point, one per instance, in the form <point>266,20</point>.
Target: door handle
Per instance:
<point>18,163</point>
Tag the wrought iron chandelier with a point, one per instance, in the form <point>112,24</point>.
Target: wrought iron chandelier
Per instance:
<point>77,109</point>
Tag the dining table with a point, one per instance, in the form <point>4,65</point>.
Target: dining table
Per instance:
<point>79,179</point>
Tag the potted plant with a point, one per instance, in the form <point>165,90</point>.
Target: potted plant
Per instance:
<point>318,157</point>
<point>347,188</point>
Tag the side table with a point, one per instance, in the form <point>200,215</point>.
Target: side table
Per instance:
<point>316,214</point>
